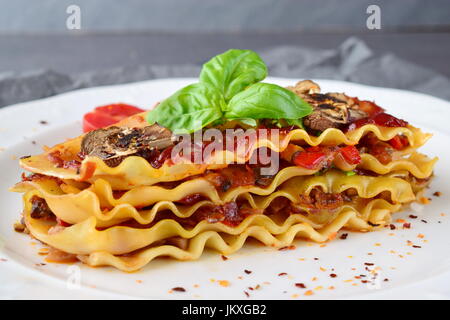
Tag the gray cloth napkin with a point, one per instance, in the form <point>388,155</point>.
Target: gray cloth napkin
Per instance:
<point>351,61</point>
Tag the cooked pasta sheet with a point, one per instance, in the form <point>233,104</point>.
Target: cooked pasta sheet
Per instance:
<point>277,229</point>
<point>144,204</point>
<point>121,196</point>
<point>275,217</point>
<point>135,171</point>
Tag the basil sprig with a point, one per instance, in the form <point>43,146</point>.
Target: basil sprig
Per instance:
<point>266,101</point>
<point>233,71</point>
<point>190,108</point>
<point>229,88</point>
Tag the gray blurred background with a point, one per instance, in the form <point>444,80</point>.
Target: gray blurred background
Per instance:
<point>132,33</point>
<point>208,16</point>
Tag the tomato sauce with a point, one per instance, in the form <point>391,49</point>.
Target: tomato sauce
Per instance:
<point>322,157</point>
<point>380,119</point>
<point>382,150</point>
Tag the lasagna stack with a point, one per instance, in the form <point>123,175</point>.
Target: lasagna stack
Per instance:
<point>121,196</point>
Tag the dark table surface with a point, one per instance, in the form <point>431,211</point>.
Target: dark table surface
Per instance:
<point>78,52</point>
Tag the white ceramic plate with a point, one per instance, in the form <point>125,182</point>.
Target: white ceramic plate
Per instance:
<point>411,272</point>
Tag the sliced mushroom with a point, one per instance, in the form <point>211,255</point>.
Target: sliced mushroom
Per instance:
<point>353,107</point>
<point>331,110</point>
<point>328,112</point>
<point>305,87</point>
<point>343,97</point>
<point>114,144</point>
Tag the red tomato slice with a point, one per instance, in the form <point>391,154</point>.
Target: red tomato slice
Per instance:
<point>107,115</point>
<point>94,121</point>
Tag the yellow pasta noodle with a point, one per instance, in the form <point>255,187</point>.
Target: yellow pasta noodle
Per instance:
<point>229,244</point>
<point>226,244</point>
<point>83,238</point>
<point>136,171</point>
<point>74,208</point>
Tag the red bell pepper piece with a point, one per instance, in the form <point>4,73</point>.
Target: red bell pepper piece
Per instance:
<point>309,159</point>
<point>399,142</point>
<point>351,154</point>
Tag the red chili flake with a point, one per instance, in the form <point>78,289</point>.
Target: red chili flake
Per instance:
<point>412,216</point>
<point>418,247</point>
<point>287,248</point>
<point>316,258</point>
<point>344,236</point>
<point>179,289</point>
<point>300,285</point>
<point>437,194</point>
<point>333,275</point>
<point>369,264</point>
<point>282,274</point>
<point>386,280</point>
<point>247,271</point>
<point>364,281</point>
<point>407,225</point>
<point>224,258</point>
<point>392,226</point>
<point>247,294</point>
<point>250,288</point>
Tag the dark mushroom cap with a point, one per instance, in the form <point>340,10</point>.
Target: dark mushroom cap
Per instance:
<point>331,110</point>
<point>113,144</point>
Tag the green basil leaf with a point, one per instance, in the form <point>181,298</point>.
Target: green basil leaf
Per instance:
<point>280,123</point>
<point>247,121</point>
<point>295,122</point>
<point>267,101</point>
<point>189,109</point>
<point>233,71</point>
